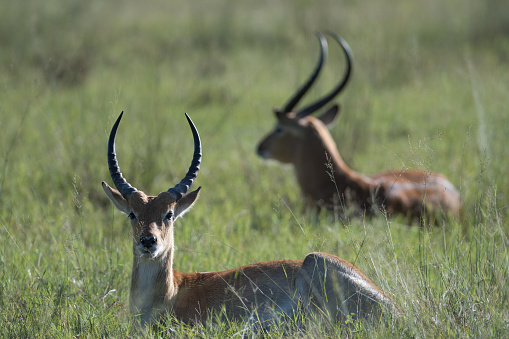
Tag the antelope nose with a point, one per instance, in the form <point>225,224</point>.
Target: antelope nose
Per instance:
<point>148,241</point>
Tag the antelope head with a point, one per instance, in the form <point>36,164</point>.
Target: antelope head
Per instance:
<point>295,127</point>
<point>152,217</point>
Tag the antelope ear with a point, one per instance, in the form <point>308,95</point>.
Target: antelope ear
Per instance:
<point>278,113</point>
<point>330,116</point>
<point>186,202</point>
<point>116,198</point>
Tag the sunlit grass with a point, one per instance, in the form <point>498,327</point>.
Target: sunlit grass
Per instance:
<point>428,90</point>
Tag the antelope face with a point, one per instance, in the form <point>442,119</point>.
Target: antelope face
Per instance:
<point>154,221</point>
<point>280,143</point>
<point>152,218</point>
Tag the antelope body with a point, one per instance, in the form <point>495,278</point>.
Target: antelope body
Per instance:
<point>263,292</point>
<point>324,178</point>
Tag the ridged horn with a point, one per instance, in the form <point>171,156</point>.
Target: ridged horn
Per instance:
<point>300,93</point>
<point>185,184</point>
<point>335,91</point>
<point>120,183</point>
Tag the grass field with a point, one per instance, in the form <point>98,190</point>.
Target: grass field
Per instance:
<point>429,90</point>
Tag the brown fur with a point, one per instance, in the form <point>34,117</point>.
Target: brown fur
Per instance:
<point>262,292</point>
<point>306,143</point>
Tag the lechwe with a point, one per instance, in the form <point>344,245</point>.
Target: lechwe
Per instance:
<point>326,181</point>
<point>263,292</point>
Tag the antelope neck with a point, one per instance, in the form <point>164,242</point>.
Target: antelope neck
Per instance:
<point>317,159</point>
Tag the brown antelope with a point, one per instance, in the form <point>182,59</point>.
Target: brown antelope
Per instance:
<point>264,292</point>
<point>324,178</point>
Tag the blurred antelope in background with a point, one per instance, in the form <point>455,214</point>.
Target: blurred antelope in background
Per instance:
<point>264,292</point>
<point>324,178</point>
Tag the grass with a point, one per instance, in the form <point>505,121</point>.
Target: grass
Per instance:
<point>429,90</point>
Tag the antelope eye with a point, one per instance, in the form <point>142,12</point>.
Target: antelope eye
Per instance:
<point>169,216</point>
<point>278,131</point>
<point>131,216</point>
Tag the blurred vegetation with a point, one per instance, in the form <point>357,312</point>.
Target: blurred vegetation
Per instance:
<point>429,90</point>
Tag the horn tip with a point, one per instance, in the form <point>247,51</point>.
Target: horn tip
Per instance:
<point>118,119</point>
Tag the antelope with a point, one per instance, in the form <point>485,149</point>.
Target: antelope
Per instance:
<point>324,178</point>
<point>267,292</point>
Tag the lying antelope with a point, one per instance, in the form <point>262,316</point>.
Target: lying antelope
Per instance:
<point>305,142</point>
<point>266,291</point>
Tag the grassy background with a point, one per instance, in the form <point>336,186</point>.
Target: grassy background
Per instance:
<point>429,90</point>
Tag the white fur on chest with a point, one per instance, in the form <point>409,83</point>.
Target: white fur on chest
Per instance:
<point>146,291</point>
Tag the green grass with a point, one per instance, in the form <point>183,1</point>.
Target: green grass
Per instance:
<point>429,90</point>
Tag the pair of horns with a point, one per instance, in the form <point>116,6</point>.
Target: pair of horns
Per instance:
<point>179,190</point>
<point>294,100</point>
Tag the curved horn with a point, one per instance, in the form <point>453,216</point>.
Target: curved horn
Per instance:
<point>335,91</point>
<point>122,185</point>
<point>180,189</point>
<point>300,93</point>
